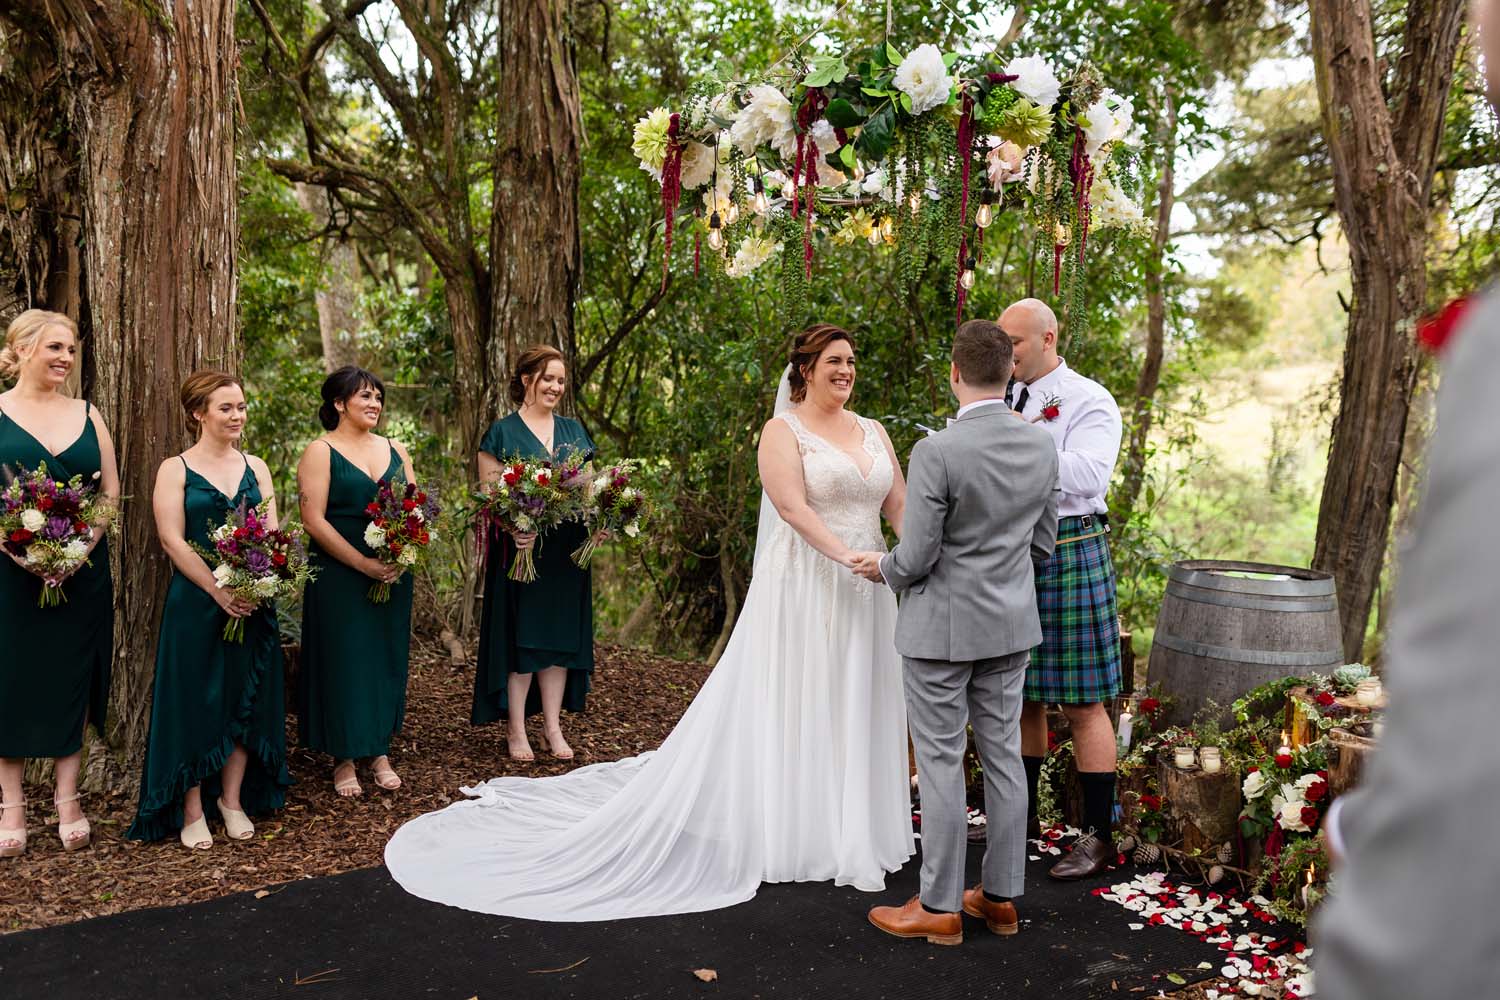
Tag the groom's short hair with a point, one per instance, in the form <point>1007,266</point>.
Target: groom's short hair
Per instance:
<point>983,355</point>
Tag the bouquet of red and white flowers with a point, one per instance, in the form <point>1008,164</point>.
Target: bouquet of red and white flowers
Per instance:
<point>616,504</point>
<point>531,497</point>
<point>49,525</point>
<point>401,528</point>
<point>255,562</point>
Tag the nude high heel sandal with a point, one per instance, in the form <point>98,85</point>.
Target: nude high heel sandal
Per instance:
<point>68,833</point>
<point>17,835</point>
<point>195,836</point>
<point>236,824</point>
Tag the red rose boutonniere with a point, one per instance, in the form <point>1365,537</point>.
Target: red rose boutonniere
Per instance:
<point>1051,409</point>
<point>1434,332</point>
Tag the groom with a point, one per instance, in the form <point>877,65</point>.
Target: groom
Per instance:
<point>981,513</point>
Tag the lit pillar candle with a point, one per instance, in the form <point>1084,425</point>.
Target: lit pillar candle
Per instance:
<point>1125,730</point>
<point>1183,756</point>
<point>1209,760</point>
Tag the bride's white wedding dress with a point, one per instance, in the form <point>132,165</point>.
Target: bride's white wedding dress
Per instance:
<point>789,765</point>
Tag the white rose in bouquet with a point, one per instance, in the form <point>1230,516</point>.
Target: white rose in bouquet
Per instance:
<point>33,520</point>
<point>1290,816</point>
<point>923,76</point>
<point>374,536</point>
<point>1255,785</point>
<point>1036,82</point>
<point>222,575</point>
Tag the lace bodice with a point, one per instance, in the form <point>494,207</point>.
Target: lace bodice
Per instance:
<point>846,501</point>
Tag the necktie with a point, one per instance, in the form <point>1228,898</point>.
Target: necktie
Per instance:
<point>1020,405</point>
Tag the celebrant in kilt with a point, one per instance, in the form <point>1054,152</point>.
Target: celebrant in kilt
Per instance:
<point>1077,666</point>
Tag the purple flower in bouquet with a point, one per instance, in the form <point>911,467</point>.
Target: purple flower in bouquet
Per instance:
<point>258,562</point>
<point>57,529</point>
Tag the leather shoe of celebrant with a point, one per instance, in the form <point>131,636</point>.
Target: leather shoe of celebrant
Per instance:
<point>1091,855</point>
<point>1000,918</point>
<point>912,921</point>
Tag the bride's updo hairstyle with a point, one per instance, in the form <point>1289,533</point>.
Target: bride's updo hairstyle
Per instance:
<point>807,346</point>
<point>530,365</point>
<point>22,335</point>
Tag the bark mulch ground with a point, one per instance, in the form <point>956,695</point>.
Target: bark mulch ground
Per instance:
<point>636,700</point>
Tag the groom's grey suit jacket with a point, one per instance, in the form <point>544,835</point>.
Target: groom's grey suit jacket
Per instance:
<point>981,512</point>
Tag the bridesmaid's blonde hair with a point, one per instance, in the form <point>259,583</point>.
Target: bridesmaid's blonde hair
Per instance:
<point>23,333</point>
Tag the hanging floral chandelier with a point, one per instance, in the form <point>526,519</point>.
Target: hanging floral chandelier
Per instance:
<point>898,151</point>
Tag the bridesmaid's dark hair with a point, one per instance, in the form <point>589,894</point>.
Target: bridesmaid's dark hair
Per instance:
<point>340,387</point>
<point>532,362</point>
<point>806,348</point>
<point>196,390</point>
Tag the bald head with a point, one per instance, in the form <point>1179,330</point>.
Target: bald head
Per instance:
<point>1032,326</point>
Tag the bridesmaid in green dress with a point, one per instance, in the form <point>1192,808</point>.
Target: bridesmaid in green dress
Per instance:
<point>544,628</point>
<point>54,676</point>
<point>351,688</point>
<point>217,744</point>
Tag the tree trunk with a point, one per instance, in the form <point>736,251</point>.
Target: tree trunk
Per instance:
<point>147,97</point>
<point>1156,318</point>
<point>534,240</point>
<point>338,288</point>
<point>1384,158</point>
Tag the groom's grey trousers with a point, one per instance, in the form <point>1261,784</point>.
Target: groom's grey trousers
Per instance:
<point>942,700</point>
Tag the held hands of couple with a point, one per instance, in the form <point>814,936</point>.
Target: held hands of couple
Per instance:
<point>867,565</point>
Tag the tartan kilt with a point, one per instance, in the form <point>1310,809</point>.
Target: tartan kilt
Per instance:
<point>1078,661</point>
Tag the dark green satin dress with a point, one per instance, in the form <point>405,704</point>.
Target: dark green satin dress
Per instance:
<point>528,627</point>
<point>210,694</point>
<point>351,688</point>
<point>55,671</point>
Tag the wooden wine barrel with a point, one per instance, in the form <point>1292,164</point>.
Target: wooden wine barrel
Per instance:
<point>1228,627</point>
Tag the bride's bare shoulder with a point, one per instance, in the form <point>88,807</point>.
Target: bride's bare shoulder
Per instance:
<point>777,429</point>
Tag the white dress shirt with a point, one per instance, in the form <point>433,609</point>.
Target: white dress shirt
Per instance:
<point>1087,431</point>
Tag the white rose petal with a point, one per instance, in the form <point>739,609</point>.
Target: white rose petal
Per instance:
<point>33,520</point>
<point>924,77</point>
<point>1037,83</point>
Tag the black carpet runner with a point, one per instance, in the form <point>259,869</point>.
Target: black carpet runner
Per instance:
<point>360,936</point>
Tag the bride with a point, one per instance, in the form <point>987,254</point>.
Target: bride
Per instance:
<point>789,765</point>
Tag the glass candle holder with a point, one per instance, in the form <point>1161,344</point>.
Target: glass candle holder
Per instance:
<point>1368,692</point>
<point>1183,757</point>
<point>1210,760</point>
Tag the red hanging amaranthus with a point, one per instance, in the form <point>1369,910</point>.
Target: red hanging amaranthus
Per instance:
<point>1081,170</point>
<point>671,189</point>
<point>965,156</point>
<point>805,169</point>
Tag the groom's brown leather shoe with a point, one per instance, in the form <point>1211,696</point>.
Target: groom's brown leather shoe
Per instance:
<point>1090,856</point>
<point>912,921</point>
<point>1000,918</point>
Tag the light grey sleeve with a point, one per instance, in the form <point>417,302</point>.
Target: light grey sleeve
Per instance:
<point>1044,534</point>
<point>922,523</point>
<point>1413,913</point>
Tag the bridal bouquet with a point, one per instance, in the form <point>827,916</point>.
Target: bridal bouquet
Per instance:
<point>49,525</point>
<point>531,497</point>
<point>401,528</point>
<point>617,504</point>
<point>255,562</point>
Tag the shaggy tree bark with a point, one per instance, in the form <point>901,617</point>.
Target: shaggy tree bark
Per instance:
<point>1383,138</point>
<point>147,97</point>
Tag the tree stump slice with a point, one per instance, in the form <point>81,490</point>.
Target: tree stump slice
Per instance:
<point>1302,714</point>
<point>1205,808</point>
<point>1348,766</point>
